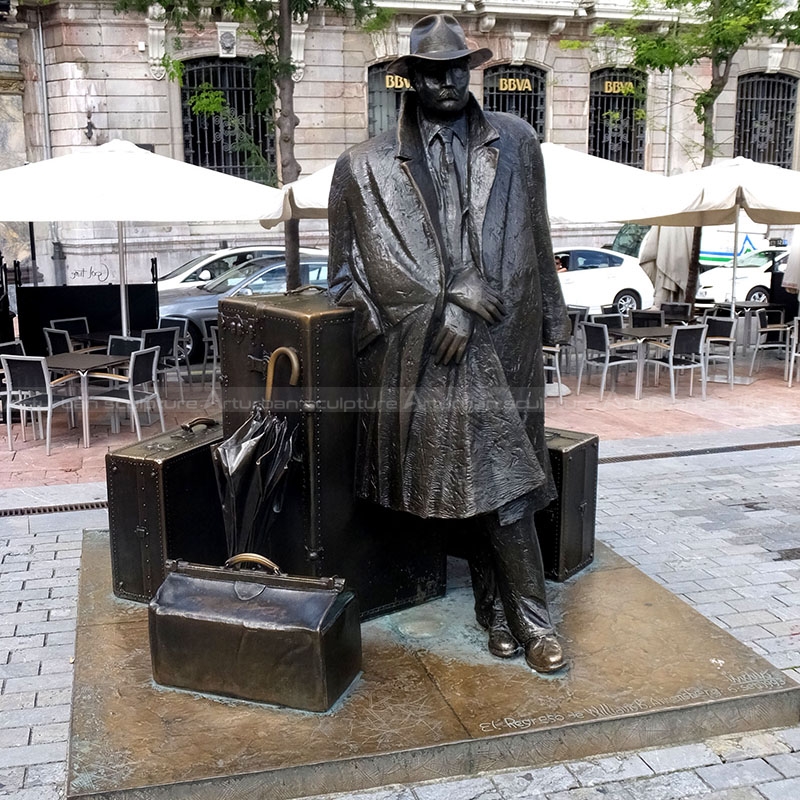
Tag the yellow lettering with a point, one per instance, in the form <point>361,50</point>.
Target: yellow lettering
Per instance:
<point>503,85</point>
<point>618,87</point>
<point>607,87</point>
<point>526,85</point>
<point>397,82</point>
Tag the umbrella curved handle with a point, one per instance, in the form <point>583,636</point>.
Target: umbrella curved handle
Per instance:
<point>291,354</point>
<point>253,558</point>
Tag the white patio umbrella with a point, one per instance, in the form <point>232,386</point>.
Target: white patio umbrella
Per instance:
<point>580,188</point>
<point>120,182</point>
<point>767,193</point>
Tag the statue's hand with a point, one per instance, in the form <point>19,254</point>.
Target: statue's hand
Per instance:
<point>471,292</point>
<point>451,341</point>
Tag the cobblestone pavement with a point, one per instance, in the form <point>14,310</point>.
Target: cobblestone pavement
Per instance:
<point>722,531</point>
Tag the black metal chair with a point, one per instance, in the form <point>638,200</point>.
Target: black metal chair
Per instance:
<point>603,354</point>
<point>772,333</point>
<point>30,388</point>
<point>721,343</point>
<point>685,352</point>
<point>677,311</point>
<point>12,348</point>
<point>647,318</point>
<point>139,386</point>
<point>182,324</point>
<point>71,324</point>
<point>166,339</point>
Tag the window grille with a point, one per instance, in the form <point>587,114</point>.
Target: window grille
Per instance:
<point>617,102</point>
<point>384,93</point>
<point>765,110</point>
<point>517,90</point>
<point>209,140</point>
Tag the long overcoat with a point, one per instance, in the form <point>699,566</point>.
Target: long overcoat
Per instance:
<point>460,440</point>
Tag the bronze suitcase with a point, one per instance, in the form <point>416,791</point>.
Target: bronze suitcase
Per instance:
<point>271,638</point>
<point>566,526</point>
<point>391,560</point>
<point>163,503</point>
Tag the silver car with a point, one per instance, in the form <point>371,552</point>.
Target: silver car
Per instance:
<point>258,276</point>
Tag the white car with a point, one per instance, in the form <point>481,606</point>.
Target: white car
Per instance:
<point>753,277</point>
<point>199,270</point>
<point>595,277</point>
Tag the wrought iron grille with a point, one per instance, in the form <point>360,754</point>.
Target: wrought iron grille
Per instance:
<point>617,102</point>
<point>384,93</point>
<point>765,110</point>
<point>213,141</point>
<point>517,90</point>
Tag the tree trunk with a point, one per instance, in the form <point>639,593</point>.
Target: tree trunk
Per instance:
<point>694,267</point>
<point>286,123</point>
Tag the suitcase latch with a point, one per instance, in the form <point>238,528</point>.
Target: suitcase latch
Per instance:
<point>259,363</point>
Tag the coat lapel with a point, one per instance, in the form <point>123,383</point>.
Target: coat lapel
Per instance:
<point>482,171</point>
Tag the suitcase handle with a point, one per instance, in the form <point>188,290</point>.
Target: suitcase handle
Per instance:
<point>291,354</point>
<point>253,558</point>
<point>307,287</point>
<point>208,422</point>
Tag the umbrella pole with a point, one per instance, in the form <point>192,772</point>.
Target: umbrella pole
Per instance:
<point>123,279</point>
<point>735,261</point>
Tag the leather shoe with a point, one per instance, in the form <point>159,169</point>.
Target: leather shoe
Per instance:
<point>502,643</point>
<point>544,654</point>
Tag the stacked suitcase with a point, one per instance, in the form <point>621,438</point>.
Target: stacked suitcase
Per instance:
<point>392,560</point>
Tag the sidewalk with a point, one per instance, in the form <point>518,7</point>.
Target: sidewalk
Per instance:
<point>719,530</point>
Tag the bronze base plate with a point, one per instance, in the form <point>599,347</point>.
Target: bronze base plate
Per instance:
<point>645,670</point>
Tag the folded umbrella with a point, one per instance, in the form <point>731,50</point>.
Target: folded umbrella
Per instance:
<point>251,468</point>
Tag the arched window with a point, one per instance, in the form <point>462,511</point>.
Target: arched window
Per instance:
<point>765,109</point>
<point>216,141</point>
<point>617,102</point>
<point>384,93</point>
<point>516,90</point>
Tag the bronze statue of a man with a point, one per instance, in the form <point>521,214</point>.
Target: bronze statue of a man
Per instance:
<point>439,238</point>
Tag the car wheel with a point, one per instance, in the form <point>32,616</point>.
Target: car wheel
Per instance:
<point>194,344</point>
<point>627,300</point>
<point>758,294</point>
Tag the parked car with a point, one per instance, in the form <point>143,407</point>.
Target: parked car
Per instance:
<point>753,277</point>
<point>257,276</point>
<point>595,277</point>
<point>208,267</point>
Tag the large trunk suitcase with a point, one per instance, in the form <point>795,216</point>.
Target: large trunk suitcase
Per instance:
<point>258,636</point>
<point>566,526</point>
<point>391,560</point>
<point>163,503</point>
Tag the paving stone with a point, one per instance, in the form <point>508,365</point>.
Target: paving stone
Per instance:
<point>14,737</point>
<point>790,737</point>
<point>54,772</point>
<point>32,754</point>
<point>36,682</point>
<point>610,768</point>
<point>782,790</point>
<point>680,757</point>
<point>741,746</point>
<point>11,779</point>
<point>39,793</point>
<point>738,773</point>
<point>385,793</point>
<point>788,764</point>
<point>534,783</point>
<point>467,789</point>
<point>603,792</point>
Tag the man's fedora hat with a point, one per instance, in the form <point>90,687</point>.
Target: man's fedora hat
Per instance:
<point>438,37</point>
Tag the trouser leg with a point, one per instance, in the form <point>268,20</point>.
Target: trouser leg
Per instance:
<point>519,576</point>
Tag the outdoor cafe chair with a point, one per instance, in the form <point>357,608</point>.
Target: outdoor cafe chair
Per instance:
<point>677,311</point>
<point>166,339</point>
<point>123,345</point>
<point>794,350</point>
<point>71,324</point>
<point>30,388</point>
<point>552,355</point>
<point>210,346</point>
<point>685,352</point>
<point>13,348</point>
<point>772,333</point>
<point>139,386</point>
<point>601,353</point>
<point>647,318</point>
<point>58,340</point>
<point>182,324</point>
<point>609,320</point>
<point>721,343</point>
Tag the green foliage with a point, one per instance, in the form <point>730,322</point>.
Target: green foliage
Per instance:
<point>571,44</point>
<point>379,20</point>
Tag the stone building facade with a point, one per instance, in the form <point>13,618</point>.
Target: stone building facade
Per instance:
<point>76,74</point>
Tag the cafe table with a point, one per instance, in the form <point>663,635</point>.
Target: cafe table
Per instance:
<point>749,308</point>
<point>642,335</point>
<point>83,363</point>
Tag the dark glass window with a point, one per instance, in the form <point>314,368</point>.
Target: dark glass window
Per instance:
<point>213,141</point>
<point>517,90</point>
<point>384,93</point>
<point>617,102</point>
<point>765,109</point>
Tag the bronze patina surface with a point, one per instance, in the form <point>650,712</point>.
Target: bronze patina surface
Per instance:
<point>646,669</point>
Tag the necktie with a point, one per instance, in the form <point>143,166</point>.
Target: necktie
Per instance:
<point>450,196</point>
